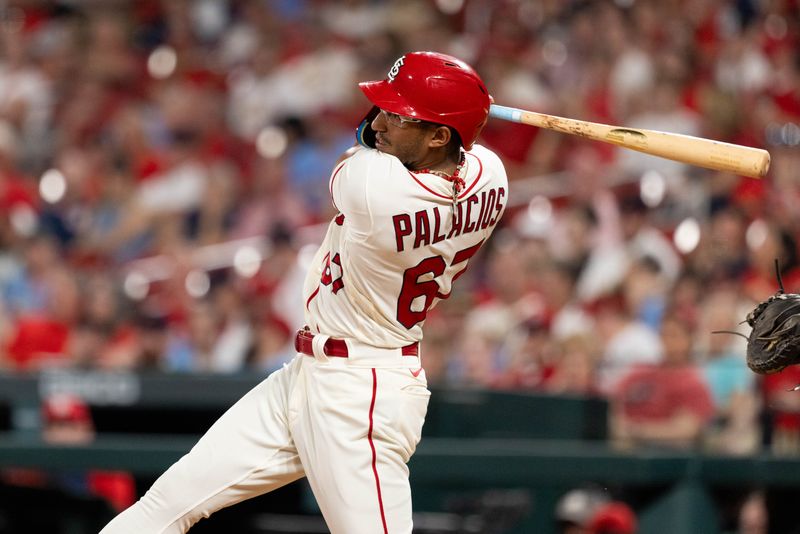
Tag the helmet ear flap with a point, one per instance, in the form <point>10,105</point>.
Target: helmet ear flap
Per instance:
<point>365,135</point>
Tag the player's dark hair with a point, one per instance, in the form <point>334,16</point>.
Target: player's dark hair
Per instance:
<point>454,147</point>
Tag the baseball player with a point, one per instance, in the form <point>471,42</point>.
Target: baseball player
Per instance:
<point>415,204</point>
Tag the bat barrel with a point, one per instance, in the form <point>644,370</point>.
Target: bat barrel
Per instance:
<point>748,161</point>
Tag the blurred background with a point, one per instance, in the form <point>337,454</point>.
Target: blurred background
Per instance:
<point>163,185</point>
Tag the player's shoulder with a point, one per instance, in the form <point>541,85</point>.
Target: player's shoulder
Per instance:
<point>491,164</point>
<point>370,159</point>
<point>486,155</point>
<point>353,182</point>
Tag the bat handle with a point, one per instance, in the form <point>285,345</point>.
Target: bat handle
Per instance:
<point>506,113</point>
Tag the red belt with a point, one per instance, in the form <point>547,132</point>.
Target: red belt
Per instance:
<point>337,348</point>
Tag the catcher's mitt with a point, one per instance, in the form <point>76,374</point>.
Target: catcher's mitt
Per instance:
<point>774,342</point>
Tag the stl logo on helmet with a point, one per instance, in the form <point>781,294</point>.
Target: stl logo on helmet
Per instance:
<point>395,70</point>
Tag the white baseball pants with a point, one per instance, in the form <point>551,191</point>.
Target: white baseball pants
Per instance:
<point>348,424</point>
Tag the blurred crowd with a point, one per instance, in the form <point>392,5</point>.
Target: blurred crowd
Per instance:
<point>163,183</point>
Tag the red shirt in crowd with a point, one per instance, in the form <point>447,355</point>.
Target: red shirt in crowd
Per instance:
<point>36,339</point>
<point>653,393</point>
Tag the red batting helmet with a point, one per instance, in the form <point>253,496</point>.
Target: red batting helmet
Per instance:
<point>435,88</point>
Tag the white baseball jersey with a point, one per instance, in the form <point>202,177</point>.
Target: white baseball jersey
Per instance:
<point>398,244</point>
<point>348,424</point>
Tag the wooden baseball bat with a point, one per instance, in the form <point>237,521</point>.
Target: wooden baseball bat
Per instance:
<point>747,161</point>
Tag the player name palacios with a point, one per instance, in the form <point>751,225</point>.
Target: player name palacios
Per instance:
<point>429,226</point>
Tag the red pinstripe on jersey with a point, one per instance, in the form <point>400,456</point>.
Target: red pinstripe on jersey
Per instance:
<point>330,184</point>
<point>314,294</point>
<point>463,193</point>
<point>374,453</point>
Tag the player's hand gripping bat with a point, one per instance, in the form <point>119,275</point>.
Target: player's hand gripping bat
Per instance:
<point>747,161</point>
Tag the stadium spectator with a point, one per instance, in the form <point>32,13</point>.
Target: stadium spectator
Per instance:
<point>626,341</point>
<point>575,369</point>
<point>665,405</point>
<point>615,517</point>
<point>532,359</point>
<point>735,429</point>
<point>577,507</point>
